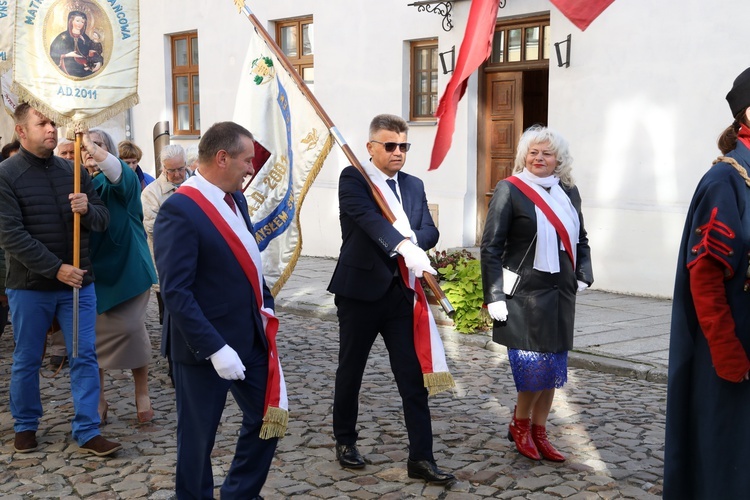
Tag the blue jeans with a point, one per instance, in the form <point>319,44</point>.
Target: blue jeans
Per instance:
<point>32,312</point>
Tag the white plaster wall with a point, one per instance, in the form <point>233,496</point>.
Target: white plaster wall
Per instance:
<point>642,105</point>
<point>361,69</point>
<point>6,128</point>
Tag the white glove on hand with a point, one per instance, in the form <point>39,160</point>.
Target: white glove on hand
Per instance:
<point>403,227</point>
<point>416,259</point>
<point>498,310</point>
<point>582,286</point>
<point>228,364</point>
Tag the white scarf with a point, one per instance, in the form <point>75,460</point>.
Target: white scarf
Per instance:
<point>402,221</point>
<point>547,255</point>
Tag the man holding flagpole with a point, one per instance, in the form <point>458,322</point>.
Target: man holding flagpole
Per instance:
<point>219,323</point>
<point>37,204</point>
<point>377,291</point>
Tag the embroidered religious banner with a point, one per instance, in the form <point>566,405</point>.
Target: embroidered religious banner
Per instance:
<point>10,101</point>
<point>292,142</point>
<point>77,60</point>
<point>7,19</point>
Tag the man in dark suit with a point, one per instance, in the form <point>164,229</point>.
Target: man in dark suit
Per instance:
<point>219,323</point>
<point>372,297</point>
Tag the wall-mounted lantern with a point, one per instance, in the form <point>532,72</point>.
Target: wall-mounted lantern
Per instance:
<point>448,67</point>
<point>560,61</point>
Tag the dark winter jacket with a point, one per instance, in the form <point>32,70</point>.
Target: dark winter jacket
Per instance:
<point>36,221</point>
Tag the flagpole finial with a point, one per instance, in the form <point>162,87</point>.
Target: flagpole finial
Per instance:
<point>239,4</point>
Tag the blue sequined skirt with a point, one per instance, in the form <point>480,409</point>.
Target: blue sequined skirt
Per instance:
<point>537,371</point>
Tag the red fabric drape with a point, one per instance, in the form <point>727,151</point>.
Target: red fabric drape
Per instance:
<point>475,49</point>
<point>581,12</point>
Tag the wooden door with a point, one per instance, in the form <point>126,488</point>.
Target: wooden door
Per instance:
<point>500,127</point>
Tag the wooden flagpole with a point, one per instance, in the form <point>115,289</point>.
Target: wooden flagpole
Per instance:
<point>385,209</point>
<point>76,237</point>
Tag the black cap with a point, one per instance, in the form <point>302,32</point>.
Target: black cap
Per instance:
<point>739,97</point>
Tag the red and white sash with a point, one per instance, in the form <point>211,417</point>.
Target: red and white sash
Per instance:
<point>243,246</point>
<point>567,231</point>
<point>427,341</point>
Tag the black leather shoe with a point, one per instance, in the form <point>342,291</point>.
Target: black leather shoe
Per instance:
<point>427,470</point>
<point>349,457</point>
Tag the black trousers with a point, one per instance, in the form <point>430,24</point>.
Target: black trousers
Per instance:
<point>359,325</point>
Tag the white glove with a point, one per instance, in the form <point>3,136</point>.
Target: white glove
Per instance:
<point>228,364</point>
<point>403,227</point>
<point>498,310</point>
<point>416,259</point>
<point>582,286</point>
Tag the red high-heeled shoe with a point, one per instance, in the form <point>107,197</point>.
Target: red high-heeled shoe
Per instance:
<point>539,436</point>
<point>519,432</point>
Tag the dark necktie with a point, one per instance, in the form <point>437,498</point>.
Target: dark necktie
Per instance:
<point>392,184</point>
<point>230,201</point>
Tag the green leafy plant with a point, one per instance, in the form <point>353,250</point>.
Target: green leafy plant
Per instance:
<point>441,259</point>
<point>461,280</point>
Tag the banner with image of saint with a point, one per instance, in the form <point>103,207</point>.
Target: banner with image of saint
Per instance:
<point>77,60</point>
<point>7,20</point>
<point>291,144</point>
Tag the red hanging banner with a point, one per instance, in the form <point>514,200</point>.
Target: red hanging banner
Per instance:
<point>581,12</point>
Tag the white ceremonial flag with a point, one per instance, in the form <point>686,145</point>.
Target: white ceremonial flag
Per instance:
<point>77,60</point>
<point>295,140</point>
<point>10,101</point>
<point>7,21</point>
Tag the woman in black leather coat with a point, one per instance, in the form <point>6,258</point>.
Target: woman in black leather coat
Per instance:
<point>536,322</point>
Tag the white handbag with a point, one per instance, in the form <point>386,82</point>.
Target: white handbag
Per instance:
<point>510,282</point>
<point>511,279</point>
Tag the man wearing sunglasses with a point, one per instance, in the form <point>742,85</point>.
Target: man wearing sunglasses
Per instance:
<point>372,297</point>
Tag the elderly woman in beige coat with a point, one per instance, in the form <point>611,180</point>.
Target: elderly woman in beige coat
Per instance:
<point>173,173</point>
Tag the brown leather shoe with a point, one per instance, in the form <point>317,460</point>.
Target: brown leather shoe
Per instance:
<point>25,442</point>
<point>100,446</point>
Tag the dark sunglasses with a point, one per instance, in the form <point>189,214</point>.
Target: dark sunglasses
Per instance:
<point>390,147</point>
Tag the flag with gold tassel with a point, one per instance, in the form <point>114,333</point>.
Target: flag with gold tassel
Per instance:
<point>292,143</point>
<point>7,21</point>
<point>76,61</point>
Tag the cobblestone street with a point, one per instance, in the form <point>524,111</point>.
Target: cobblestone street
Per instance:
<point>611,428</point>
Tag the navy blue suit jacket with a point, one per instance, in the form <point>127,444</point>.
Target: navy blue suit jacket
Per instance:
<point>367,262</point>
<point>208,300</point>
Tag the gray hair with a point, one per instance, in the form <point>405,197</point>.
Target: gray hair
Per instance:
<point>391,123</point>
<point>537,134</point>
<point>191,155</point>
<point>171,151</point>
<point>106,139</point>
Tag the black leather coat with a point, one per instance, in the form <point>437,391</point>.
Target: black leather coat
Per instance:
<point>541,314</point>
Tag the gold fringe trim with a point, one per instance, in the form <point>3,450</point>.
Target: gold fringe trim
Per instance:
<point>438,382</point>
<point>300,199</point>
<point>63,120</point>
<point>737,167</point>
<point>274,423</point>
